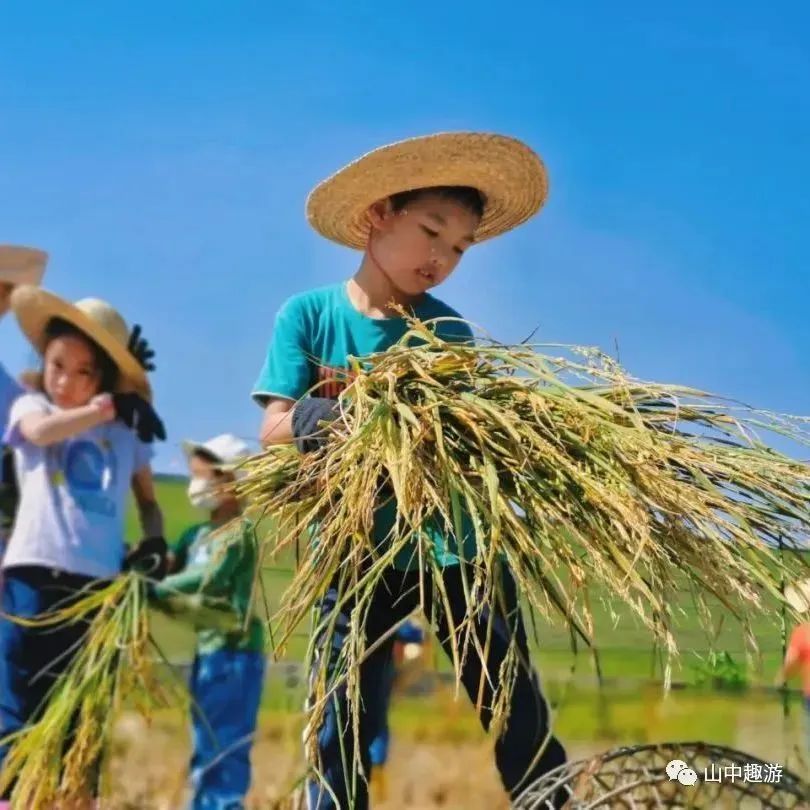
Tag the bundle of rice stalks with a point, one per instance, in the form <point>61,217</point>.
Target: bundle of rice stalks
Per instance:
<point>580,478</point>
<point>59,759</point>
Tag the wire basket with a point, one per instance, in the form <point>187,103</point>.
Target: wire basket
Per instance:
<point>667,775</point>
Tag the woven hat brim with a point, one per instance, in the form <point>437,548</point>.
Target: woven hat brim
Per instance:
<point>22,265</point>
<point>35,307</point>
<point>508,173</point>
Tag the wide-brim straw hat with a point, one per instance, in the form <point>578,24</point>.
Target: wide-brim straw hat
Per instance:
<point>98,320</point>
<point>21,265</point>
<point>510,176</point>
<point>797,595</point>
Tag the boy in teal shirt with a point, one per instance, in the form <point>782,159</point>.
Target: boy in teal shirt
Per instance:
<point>213,582</point>
<point>414,208</point>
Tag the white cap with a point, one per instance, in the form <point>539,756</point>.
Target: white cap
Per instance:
<point>226,448</point>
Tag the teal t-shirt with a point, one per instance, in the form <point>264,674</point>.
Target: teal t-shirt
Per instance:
<point>314,334</point>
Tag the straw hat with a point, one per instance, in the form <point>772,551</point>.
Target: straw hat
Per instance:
<point>510,176</point>
<point>97,319</point>
<point>21,265</point>
<point>798,596</point>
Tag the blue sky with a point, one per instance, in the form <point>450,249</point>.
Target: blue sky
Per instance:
<point>162,154</point>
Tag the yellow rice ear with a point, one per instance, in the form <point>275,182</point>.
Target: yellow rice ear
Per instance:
<point>592,484</point>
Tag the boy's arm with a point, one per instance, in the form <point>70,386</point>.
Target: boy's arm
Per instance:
<point>286,374</point>
<point>277,422</point>
<point>300,422</point>
<point>188,581</point>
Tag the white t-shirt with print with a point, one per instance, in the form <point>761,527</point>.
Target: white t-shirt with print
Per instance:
<point>10,389</point>
<point>73,495</point>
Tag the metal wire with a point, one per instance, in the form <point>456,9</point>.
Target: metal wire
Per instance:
<point>636,777</point>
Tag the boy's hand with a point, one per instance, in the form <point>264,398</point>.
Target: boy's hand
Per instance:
<point>150,558</point>
<point>307,416</point>
<point>136,413</point>
<point>139,348</point>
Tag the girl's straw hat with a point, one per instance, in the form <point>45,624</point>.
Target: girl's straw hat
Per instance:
<point>97,319</point>
<point>509,175</point>
<point>798,596</point>
<point>21,265</point>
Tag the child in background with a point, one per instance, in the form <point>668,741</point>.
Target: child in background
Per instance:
<point>413,208</point>
<point>18,265</point>
<point>80,444</point>
<point>215,569</point>
<point>407,638</point>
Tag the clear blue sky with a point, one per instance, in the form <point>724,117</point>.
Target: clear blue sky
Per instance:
<point>162,153</point>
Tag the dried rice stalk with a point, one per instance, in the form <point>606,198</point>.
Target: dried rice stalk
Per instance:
<point>576,475</point>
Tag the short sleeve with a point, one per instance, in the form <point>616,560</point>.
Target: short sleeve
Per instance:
<point>287,371</point>
<point>144,453</point>
<point>23,406</point>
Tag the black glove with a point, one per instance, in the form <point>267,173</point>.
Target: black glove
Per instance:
<point>150,558</point>
<point>139,348</point>
<point>306,419</point>
<point>135,412</point>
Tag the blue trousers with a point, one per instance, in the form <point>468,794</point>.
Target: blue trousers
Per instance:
<point>226,687</point>
<point>31,658</point>
<point>523,752</point>
<point>381,736</point>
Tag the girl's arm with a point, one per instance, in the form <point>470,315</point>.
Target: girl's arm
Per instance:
<point>277,422</point>
<point>45,429</point>
<point>149,514</point>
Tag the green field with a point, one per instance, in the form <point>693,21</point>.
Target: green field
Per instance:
<point>630,707</point>
<point>625,650</point>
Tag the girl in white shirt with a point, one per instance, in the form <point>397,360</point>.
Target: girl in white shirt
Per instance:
<point>80,445</point>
